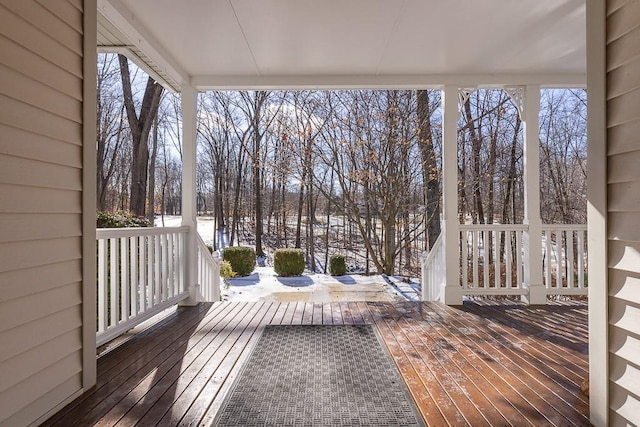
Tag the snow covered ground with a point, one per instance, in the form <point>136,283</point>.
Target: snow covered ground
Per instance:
<point>264,284</point>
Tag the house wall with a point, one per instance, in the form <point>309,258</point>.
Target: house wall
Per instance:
<point>43,61</point>
<point>623,216</point>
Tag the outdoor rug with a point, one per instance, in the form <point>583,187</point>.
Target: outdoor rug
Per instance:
<point>318,376</point>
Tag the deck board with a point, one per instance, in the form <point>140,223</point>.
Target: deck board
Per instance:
<point>485,363</point>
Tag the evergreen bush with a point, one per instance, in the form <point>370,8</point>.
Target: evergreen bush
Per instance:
<point>288,262</point>
<point>120,220</point>
<point>337,265</point>
<point>241,258</point>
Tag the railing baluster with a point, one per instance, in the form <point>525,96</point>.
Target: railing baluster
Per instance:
<point>507,258</point>
<point>102,284</point>
<point>149,265</point>
<point>180,266</point>
<point>465,258</point>
<point>133,274</point>
<point>124,278</point>
<point>142,268</point>
<point>170,256</point>
<point>497,280</point>
<point>157,263</point>
<point>485,259</point>
<point>114,283</point>
<point>569,258</point>
<point>559,259</point>
<point>476,243</point>
<point>580,258</point>
<point>548,259</point>
<point>165,267</point>
<point>519,264</point>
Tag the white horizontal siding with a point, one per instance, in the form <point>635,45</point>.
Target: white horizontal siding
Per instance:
<point>624,226</point>
<point>625,407</point>
<point>41,148</point>
<point>621,138</point>
<point>19,311</point>
<point>33,334</point>
<point>23,199</point>
<point>21,29</point>
<point>625,202</point>
<point>622,285</point>
<point>623,50</point>
<point>621,167</point>
<point>50,399</point>
<point>30,281</point>
<point>35,253</point>
<point>35,120</point>
<point>32,65</point>
<point>41,161</point>
<point>624,78</point>
<point>623,108</point>
<point>16,85</point>
<point>623,218</point>
<point>18,170</point>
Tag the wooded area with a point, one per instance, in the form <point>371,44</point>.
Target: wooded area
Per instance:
<point>355,172</point>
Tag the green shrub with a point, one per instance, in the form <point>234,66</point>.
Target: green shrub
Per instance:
<point>226,270</point>
<point>120,220</point>
<point>337,265</point>
<point>288,262</point>
<point>241,258</point>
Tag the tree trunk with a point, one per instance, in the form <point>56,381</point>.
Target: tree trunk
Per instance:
<point>257,175</point>
<point>476,144</point>
<point>430,173</point>
<point>152,172</point>
<point>140,128</point>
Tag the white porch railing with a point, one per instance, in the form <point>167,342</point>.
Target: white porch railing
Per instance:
<point>140,273</point>
<point>565,259</point>
<point>208,272</point>
<point>433,270</point>
<point>492,258</point>
<point>492,261</point>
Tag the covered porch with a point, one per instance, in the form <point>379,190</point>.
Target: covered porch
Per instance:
<point>483,363</point>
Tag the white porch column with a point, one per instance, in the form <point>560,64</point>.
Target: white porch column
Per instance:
<point>189,208</point>
<point>451,293</point>
<point>533,238</point>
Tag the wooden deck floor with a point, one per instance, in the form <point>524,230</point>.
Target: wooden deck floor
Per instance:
<point>485,363</point>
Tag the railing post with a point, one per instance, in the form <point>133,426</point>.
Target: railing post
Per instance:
<point>533,236</point>
<point>189,207</point>
<point>451,293</point>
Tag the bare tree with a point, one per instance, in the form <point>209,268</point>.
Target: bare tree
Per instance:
<point>140,126</point>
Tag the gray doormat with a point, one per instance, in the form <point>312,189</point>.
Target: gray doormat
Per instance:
<point>318,376</point>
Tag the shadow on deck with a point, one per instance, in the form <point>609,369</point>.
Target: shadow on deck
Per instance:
<point>484,363</point>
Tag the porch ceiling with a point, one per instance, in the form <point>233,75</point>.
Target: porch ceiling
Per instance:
<point>354,43</point>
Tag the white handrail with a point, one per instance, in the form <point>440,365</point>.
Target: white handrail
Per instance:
<point>432,265</point>
<point>208,272</point>
<point>107,233</point>
<point>140,273</point>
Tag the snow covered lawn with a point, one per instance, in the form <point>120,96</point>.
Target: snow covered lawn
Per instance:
<point>265,285</point>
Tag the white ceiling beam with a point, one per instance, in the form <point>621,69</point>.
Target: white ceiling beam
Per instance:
<point>125,21</point>
<point>302,82</point>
